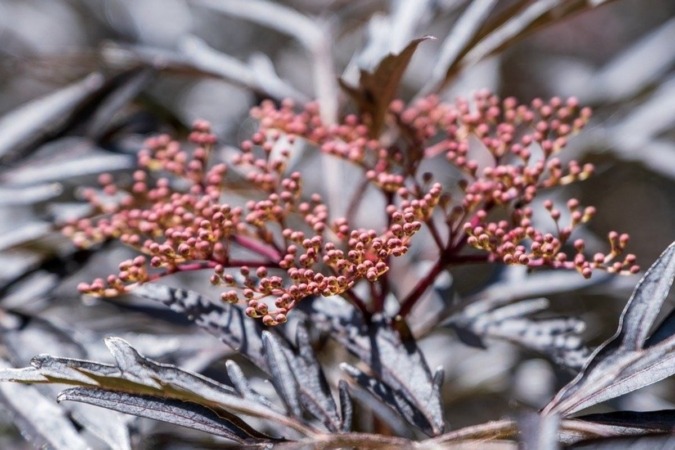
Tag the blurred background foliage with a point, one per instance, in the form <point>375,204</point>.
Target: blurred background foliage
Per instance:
<point>83,82</point>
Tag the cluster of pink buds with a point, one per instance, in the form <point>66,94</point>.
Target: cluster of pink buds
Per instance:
<point>279,246</point>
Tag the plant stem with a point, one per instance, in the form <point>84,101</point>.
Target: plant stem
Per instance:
<point>264,250</point>
<point>498,429</point>
<point>425,283</point>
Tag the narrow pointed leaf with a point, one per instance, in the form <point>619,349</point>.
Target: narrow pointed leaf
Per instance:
<point>26,126</point>
<point>624,363</point>
<point>282,375</point>
<point>399,365</point>
<point>231,325</point>
<point>558,338</point>
<point>242,386</point>
<point>315,395</point>
<point>225,321</point>
<point>645,303</point>
<point>457,42</point>
<point>40,420</point>
<point>177,412</point>
<point>141,376</point>
<point>388,396</point>
<point>378,88</point>
<point>346,407</point>
<point>663,420</point>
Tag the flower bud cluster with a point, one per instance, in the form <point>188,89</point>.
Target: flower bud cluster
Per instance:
<point>173,213</point>
<point>178,213</point>
<point>508,153</point>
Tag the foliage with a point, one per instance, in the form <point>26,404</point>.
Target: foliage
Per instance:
<point>336,222</point>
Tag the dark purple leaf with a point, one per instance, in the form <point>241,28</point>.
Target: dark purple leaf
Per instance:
<point>123,90</point>
<point>282,375</point>
<point>243,334</point>
<point>623,363</point>
<point>458,41</point>
<point>315,393</point>
<point>135,374</point>
<point>397,364</point>
<point>185,414</point>
<point>630,442</point>
<point>665,330</point>
<point>559,338</point>
<point>384,412</point>
<point>663,420</point>
<point>25,336</point>
<point>388,396</point>
<point>68,160</point>
<point>346,406</point>
<point>31,335</point>
<point>242,386</point>
<point>225,321</point>
<point>258,74</point>
<point>40,420</point>
<point>378,88</point>
<point>30,124</point>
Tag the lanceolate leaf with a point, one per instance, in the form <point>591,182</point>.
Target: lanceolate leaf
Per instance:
<point>649,420</point>
<point>397,364</point>
<point>31,123</point>
<point>282,376</point>
<point>625,363</point>
<point>186,414</point>
<point>377,89</point>
<point>225,321</point>
<point>346,406</point>
<point>559,338</point>
<point>40,420</point>
<point>315,393</point>
<point>137,375</point>
<point>242,386</point>
<point>388,396</point>
<point>229,323</point>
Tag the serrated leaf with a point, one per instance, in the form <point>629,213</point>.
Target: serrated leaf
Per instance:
<point>225,321</point>
<point>388,396</point>
<point>32,334</point>
<point>242,386</point>
<point>282,376</point>
<point>185,414</point>
<point>231,325</point>
<point>623,363</point>
<point>559,338</point>
<point>378,88</point>
<point>399,365</point>
<point>39,419</point>
<point>385,413</point>
<point>141,376</point>
<point>315,393</point>
<point>346,406</point>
